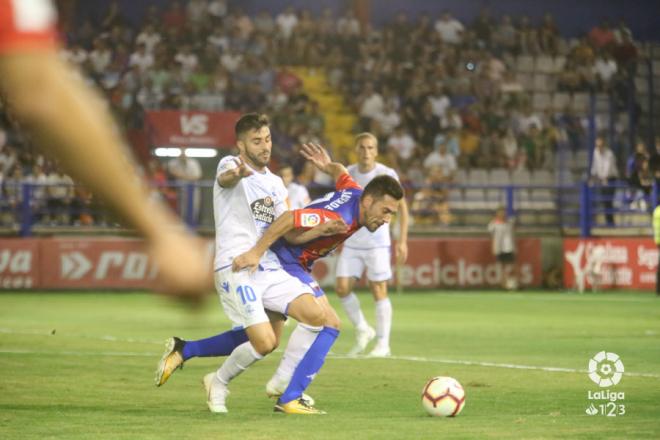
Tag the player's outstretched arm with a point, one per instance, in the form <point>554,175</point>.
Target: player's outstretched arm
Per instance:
<point>319,156</point>
<point>67,118</point>
<point>230,178</point>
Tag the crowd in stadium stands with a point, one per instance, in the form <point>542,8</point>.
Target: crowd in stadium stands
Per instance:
<point>440,94</point>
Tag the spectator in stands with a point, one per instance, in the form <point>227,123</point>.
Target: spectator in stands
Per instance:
<point>604,173</point>
<point>442,159</point>
<point>505,36</point>
<point>174,17</point>
<point>187,170</point>
<point>141,58</point>
<point>149,37</point>
<point>549,35</point>
<point>286,23</point>
<point>38,179</point>
<point>528,41</point>
<point>429,205</point>
<point>60,192</point>
<point>601,36</point>
<point>8,159</point>
<point>450,29</point>
<point>501,228</point>
<point>604,69</point>
<point>13,194</point>
<point>401,147</point>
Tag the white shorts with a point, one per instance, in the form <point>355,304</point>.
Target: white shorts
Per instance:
<point>244,296</point>
<point>352,263</point>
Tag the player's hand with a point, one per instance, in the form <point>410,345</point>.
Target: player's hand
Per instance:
<point>316,154</point>
<point>401,252</point>
<point>249,260</point>
<point>334,227</point>
<point>241,169</point>
<point>184,266</point>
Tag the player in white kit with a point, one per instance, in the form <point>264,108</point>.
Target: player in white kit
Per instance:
<point>370,251</point>
<point>247,198</point>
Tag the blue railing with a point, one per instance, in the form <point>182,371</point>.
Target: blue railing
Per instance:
<point>26,209</point>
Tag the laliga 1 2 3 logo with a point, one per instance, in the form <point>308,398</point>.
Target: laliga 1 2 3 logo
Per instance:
<point>606,370</point>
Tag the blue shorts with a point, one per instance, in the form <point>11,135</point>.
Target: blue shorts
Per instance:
<point>295,270</point>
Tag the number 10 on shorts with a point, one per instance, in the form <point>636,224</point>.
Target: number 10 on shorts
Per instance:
<point>247,294</point>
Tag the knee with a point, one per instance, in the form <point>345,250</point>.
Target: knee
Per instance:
<point>266,345</point>
<point>342,289</point>
<point>316,317</point>
<point>333,321</point>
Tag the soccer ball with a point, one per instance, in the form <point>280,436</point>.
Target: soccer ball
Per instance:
<point>443,396</point>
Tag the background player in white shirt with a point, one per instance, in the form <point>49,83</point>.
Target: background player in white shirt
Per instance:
<point>371,252</point>
<point>298,194</point>
<point>247,198</point>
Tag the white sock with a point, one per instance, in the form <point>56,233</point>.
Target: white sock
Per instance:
<point>302,337</point>
<point>383,321</point>
<point>352,308</point>
<point>242,357</point>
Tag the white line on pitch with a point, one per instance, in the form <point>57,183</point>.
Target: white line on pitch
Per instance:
<point>491,364</point>
<point>335,356</point>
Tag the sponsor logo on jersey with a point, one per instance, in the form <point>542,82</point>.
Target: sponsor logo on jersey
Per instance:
<point>309,220</point>
<point>263,210</point>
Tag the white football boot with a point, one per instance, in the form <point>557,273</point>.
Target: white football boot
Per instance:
<point>380,350</point>
<point>362,339</point>
<point>216,393</point>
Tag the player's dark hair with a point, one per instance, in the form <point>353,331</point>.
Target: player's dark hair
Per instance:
<point>250,121</point>
<point>383,186</point>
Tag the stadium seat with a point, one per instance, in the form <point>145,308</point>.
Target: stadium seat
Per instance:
<point>541,101</point>
<point>478,177</point>
<point>462,176</point>
<point>525,63</point>
<point>542,82</point>
<point>544,64</point>
<point>525,80</point>
<point>497,178</point>
<point>560,101</point>
<point>559,63</point>
<point>641,84</point>
<point>580,102</point>
<point>543,177</point>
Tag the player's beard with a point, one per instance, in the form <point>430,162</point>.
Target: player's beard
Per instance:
<point>260,160</point>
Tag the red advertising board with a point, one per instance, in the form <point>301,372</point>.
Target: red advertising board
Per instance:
<point>460,262</point>
<point>19,263</point>
<point>117,263</point>
<point>191,129</point>
<point>95,263</point>
<point>610,263</point>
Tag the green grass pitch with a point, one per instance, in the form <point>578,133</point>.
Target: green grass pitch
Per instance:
<point>80,366</point>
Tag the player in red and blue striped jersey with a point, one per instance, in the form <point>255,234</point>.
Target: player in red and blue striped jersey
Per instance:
<point>371,208</point>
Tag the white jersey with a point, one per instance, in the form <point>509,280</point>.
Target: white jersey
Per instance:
<point>298,196</point>
<point>363,239</point>
<point>244,212</point>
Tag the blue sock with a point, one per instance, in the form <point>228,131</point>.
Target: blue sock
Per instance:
<point>218,345</point>
<point>310,364</point>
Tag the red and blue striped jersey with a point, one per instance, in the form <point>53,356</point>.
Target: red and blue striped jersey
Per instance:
<point>343,203</point>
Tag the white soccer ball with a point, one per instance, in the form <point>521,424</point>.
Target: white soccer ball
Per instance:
<point>443,396</point>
